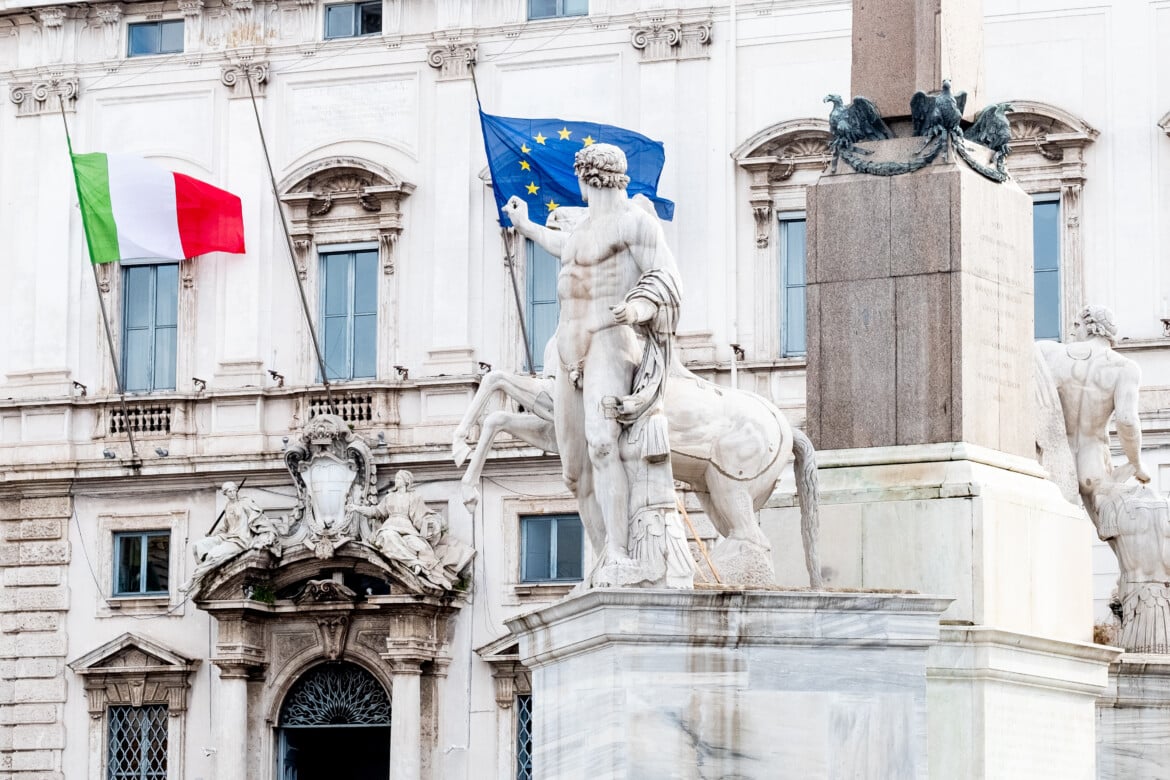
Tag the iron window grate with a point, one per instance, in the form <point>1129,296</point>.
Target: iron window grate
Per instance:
<point>138,743</point>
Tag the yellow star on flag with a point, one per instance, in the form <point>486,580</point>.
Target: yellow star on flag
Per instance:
<point>552,205</point>
<point>540,139</point>
<point>564,133</point>
<point>524,166</point>
<point>532,188</point>
<point>587,140</point>
<point>524,148</point>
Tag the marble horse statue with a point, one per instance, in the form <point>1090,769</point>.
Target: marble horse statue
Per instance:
<point>730,446</point>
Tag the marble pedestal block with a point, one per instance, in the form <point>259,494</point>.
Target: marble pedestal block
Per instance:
<point>1014,677</point>
<point>1133,719</point>
<point>631,683</point>
<point>919,308</point>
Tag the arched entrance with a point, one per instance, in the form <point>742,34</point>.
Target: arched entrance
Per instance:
<point>335,722</point>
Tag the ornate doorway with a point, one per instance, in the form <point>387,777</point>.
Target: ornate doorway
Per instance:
<point>335,722</point>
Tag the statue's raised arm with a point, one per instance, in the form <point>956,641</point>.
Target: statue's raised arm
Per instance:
<point>552,241</point>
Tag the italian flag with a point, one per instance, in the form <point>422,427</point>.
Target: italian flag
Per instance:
<point>131,208</point>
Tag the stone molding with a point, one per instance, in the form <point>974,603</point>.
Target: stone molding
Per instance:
<point>453,60</point>
<point>667,39</point>
<point>234,75</point>
<point>134,671</point>
<point>38,95</point>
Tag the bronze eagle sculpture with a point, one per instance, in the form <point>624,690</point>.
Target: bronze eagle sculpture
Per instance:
<point>940,114</point>
<point>993,130</point>
<point>859,121</point>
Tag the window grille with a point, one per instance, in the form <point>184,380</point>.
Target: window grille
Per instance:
<point>139,418</point>
<point>524,737</point>
<point>336,694</point>
<point>137,743</point>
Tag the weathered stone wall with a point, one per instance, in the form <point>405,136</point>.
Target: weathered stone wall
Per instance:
<point>34,596</point>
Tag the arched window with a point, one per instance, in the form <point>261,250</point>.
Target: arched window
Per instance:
<point>336,694</point>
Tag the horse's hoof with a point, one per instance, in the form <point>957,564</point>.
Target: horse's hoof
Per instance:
<point>470,498</point>
<point>460,450</point>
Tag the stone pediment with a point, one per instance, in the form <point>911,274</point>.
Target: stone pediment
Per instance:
<point>131,654</point>
<point>135,671</point>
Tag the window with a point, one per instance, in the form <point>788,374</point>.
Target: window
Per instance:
<point>792,304</point>
<point>551,548</point>
<point>349,20</point>
<point>524,737</point>
<point>155,38</point>
<point>142,563</point>
<point>543,309</point>
<point>137,743</point>
<point>550,9</point>
<point>150,309</point>
<point>1046,263</point>
<point>349,311</point>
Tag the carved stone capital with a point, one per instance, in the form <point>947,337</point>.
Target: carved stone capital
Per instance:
<point>108,14</point>
<point>233,77</point>
<point>33,98</point>
<point>53,16</point>
<point>190,8</point>
<point>453,60</point>
<point>660,39</point>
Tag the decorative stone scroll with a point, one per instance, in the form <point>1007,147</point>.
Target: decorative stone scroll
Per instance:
<point>40,95</point>
<point>662,39</point>
<point>453,60</point>
<point>233,77</point>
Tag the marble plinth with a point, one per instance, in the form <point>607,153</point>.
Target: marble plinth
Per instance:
<point>631,683</point>
<point>1133,719</point>
<point>966,521</point>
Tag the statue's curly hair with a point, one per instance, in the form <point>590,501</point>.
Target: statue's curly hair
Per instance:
<point>601,165</point>
<point>1098,321</point>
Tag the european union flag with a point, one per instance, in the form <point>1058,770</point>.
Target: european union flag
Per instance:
<point>533,158</point>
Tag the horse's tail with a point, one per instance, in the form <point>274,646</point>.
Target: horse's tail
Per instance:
<point>807,494</point>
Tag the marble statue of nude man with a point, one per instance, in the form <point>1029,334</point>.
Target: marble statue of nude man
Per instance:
<point>617,275</point>
<point>1094,382</point>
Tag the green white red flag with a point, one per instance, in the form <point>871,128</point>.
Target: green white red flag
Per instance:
<point>132,208</point>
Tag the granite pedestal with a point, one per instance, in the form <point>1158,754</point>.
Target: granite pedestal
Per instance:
<point>730,684</point>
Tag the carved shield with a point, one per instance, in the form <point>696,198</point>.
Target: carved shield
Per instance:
<point>328,480</point>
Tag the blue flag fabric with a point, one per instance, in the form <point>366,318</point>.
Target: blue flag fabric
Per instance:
<point>533,158</point>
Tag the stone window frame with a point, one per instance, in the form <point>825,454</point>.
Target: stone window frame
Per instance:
<point>174,602</point>
<point>346,200</point>
<point>165,682</point>
<point>1048,156</point>
<point>110,286</point>
<point>524,593</point>
<point>781,161</point>
<point>510,679</point>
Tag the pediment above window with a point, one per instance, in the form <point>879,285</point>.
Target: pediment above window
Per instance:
<point>344,188</point>
<point>134,671</point>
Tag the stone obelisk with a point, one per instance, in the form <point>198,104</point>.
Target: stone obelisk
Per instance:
<point>920,405</point>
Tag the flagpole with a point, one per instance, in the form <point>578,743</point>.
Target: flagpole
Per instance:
<point>288,240</point>
<point>509,256</point>
<point>135,461</point>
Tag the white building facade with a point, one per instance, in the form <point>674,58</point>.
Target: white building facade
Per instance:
<point>107,669</point>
